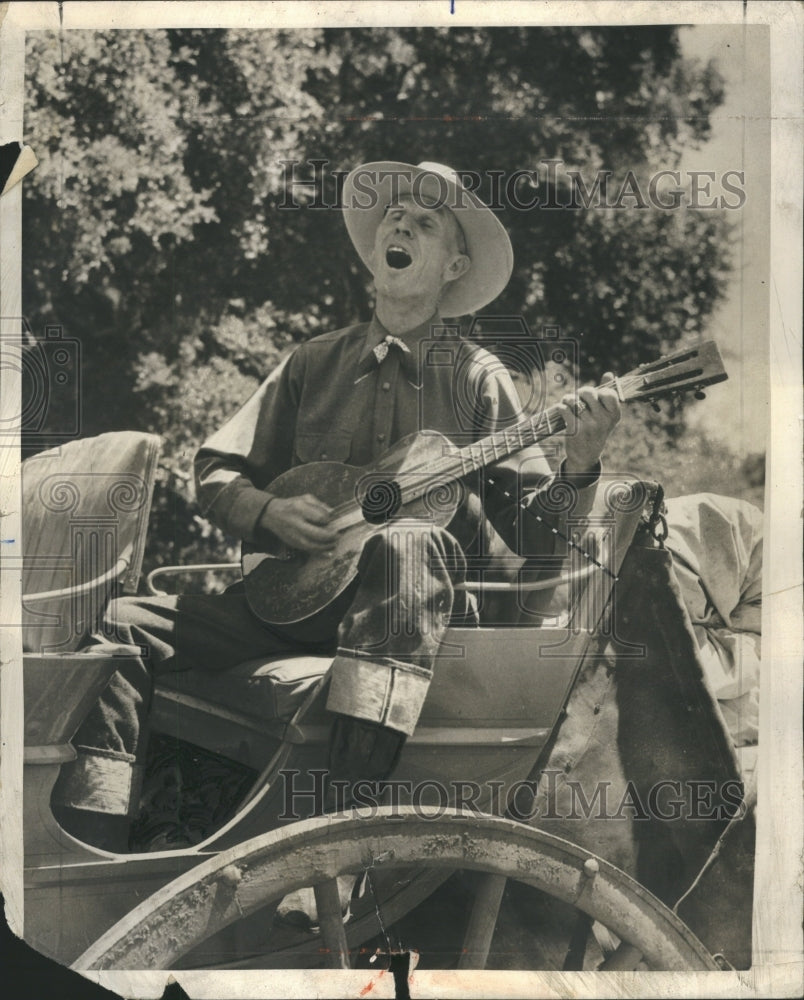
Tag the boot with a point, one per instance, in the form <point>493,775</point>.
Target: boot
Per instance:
<point>104,831</point>
<point>357,750</point>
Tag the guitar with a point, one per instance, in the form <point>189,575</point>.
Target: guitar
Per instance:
<point>419,478</point>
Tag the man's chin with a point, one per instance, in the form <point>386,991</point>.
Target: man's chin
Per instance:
<point>398,282</point>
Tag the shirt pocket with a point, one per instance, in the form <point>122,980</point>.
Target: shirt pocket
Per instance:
<point>322,446</point>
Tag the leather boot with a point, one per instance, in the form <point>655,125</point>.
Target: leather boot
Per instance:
<point>361,750</point>
<point>102,830</point>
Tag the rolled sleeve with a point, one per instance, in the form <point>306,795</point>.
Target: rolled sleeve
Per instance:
<point>233,467</point>
<point>237,509</point>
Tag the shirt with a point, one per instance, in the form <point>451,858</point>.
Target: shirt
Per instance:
<point>330,400</point>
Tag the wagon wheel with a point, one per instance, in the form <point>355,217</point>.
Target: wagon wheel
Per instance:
<point>235,883</point>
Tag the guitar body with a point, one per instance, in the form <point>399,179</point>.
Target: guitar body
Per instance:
<point>420,479</point>
<point>286,585</point>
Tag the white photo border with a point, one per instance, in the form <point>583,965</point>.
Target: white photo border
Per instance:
<point>778,950</point>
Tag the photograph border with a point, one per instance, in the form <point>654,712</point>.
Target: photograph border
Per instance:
<point>778,948</point>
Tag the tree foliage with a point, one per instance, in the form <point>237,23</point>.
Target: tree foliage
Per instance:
<point>153,227</point>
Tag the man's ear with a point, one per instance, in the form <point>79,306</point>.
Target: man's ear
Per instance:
<point>457,267</point>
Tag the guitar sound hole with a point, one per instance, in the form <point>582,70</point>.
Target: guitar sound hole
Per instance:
<point>381,501</point>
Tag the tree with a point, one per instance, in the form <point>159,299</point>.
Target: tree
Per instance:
<point>158,230</point>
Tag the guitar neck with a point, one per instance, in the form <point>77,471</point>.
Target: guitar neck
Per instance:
<point>506,442</point>
<point>486,451</point>
<point>689,369</point>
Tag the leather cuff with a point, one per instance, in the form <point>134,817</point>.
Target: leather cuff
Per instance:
<point>100,783</point>
<point>381,690</point>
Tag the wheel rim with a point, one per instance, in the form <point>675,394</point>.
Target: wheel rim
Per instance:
<point>245,878</point>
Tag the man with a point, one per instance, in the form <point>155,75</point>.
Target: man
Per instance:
<point>434,250</point>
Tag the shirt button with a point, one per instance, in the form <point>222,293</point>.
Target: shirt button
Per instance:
<point>380,437</point>
<point>386,386</point>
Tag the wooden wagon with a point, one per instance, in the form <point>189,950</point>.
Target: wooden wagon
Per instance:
<point>506,707</point>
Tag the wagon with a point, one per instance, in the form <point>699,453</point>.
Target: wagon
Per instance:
<point>582,663</point>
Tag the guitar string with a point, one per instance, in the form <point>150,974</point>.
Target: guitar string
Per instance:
<point>453,466</point>
<point>525,506</point>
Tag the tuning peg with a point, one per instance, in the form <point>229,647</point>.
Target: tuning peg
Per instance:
<point>700,394</point>
<point>656,408</point>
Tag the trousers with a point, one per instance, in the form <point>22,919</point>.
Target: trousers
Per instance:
<point>384,632</point>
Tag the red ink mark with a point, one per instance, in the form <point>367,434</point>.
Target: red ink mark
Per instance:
<point>372,983</point>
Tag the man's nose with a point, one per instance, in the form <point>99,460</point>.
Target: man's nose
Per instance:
<point>402,226</point>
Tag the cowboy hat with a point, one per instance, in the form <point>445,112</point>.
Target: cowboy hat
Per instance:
<point>369,189</point>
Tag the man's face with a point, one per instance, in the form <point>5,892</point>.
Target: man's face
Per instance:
<point>417,250</point>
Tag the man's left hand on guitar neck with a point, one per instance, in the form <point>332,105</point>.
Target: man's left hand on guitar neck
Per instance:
<point>590,419</point>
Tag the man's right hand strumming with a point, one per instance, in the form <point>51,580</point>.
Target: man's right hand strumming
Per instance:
<point>301,522</point>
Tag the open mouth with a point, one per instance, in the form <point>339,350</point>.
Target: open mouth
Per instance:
<point>398,258</point>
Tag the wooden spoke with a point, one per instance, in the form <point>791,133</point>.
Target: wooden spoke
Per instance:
<point>242,880</point>
<point>482,921</point>
<point>330,919</point>
<point>625,959</point>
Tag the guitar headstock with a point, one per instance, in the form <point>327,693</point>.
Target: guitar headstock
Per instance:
<point>687,370</point>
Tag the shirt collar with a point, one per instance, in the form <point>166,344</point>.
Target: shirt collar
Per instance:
<point>376,333</point>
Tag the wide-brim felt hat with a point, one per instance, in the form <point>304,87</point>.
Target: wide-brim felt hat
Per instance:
<point>369,189</point>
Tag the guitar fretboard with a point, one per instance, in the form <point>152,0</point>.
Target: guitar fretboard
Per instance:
<point>688,369</point>
<point>501,444</point>
<point>486,451</point>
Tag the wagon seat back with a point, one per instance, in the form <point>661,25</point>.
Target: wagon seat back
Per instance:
<point>85,518</point>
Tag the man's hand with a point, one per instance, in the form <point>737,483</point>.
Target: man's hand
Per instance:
<point>301,522</point>
<point>590,419</point>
